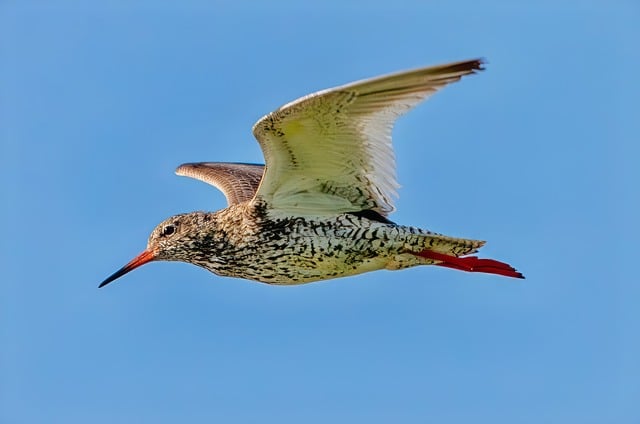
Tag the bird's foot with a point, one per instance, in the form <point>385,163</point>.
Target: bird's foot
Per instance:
<point>471,264</point>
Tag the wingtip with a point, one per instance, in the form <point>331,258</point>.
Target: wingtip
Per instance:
<point>474,65</point>
<point>463,67</point>
<point>181,169</point>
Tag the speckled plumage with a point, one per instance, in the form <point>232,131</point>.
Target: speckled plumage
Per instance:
<point>318,210</point>
<point>243,241</point>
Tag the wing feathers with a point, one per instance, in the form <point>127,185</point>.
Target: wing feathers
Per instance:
<point>237,181</point>
<point>331,151</point>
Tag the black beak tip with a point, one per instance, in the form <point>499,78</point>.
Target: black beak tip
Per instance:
<point>119,273</point>
<point>110,279</point>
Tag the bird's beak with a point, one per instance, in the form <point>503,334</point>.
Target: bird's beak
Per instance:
<point>141,259</point>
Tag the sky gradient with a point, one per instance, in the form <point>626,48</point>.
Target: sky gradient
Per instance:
<point>538,155</point>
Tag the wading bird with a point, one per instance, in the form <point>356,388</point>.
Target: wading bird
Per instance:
<point>319,207</point>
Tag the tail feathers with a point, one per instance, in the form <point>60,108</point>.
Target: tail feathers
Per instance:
<point>451,245</point>
<point>471,264</point>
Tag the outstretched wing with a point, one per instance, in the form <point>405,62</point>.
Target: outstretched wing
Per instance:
<point>237,181</point>
<point>331,151</point>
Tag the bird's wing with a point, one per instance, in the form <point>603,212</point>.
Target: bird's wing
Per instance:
<point>331,151</point>
<point>237,181</point>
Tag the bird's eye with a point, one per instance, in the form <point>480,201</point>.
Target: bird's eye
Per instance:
<point>168,230</point>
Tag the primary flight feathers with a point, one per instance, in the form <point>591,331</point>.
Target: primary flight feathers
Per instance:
<point>330,151</point>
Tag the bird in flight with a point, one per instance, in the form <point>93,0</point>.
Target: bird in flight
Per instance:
<point>319,208</point>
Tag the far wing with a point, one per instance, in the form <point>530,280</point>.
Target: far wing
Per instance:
<point>237,181</point>
<point>331,151</point>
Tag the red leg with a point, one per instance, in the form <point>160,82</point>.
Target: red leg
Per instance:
<point>471,264</point>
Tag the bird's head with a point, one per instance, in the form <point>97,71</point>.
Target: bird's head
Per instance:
<point>172,240</point>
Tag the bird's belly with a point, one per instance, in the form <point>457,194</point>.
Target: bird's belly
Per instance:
<point>289,269</point>
<point>303,259</point>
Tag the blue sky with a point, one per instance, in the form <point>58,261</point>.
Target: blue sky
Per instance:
<point>538,155</point>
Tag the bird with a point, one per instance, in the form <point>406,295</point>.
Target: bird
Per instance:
<point>319,208</point>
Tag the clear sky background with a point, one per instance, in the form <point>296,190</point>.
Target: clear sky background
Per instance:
<point>100,101</point>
